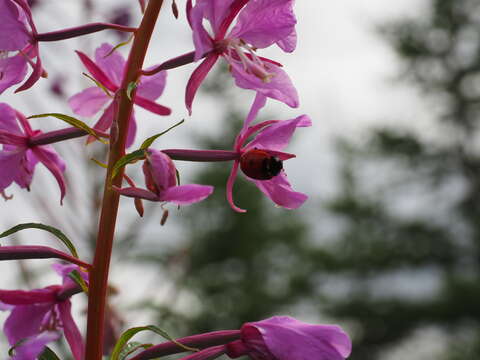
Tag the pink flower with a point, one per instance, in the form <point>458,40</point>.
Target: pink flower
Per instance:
<point>161,182</point>
<point>18,46</point>
<point>108,70</point>
<point>260,23</point>
<point>39,316</point>
<point>285,338</point>
<point>261,159</point>
<point>18,157</point>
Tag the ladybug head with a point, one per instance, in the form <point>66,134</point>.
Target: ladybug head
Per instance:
<point>260,165</point>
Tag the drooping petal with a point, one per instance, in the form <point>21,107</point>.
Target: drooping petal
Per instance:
<point>159,171</point>
<point>13,70</point>
<point>279,87</point>
<point>197,78</point>
<point>25,321</point>
<point>104,122</point>
<point>289,43</point>
<point>11,167</point>
<point>33,347</point>
<point>8,120</point>
<point>136,193</point>
<point>37,70</point>
<point>322,342</point>
<point>258,103</point>
<point>15,35</point>
<point>201,39</point>
<point>151,87</point>
<point>186,194</point>
<point>279,190</point>
<point>277,136</point>
<point>88,102</point>
<point>96,72</point>
<point>23,176</point>
<point>152,106</point>
<point>265,22</point>
<point>70,329</point>
<point>111,63</point>
<point>52,161</point>
<point>230,183</point>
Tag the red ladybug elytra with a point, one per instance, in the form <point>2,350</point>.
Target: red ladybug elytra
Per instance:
<point>260,165</point>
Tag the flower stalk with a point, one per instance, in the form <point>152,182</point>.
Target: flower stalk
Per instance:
<point>80,31</point>
<point>101,263</point>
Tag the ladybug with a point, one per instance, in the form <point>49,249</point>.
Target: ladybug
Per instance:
<point>260,165</point>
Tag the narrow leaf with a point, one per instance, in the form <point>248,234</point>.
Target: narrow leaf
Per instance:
<point>99,163</point>
<point>99,84</point>
<point>131,347</point>
<point>148,142</point>
<point>77,278</point>
<point>123,43</point>
<point>127,159</point>
<point>48,354</point>
<point>131,86</point>
<point>72,121</point>
<point>127,335</point>
<point>60,235</point>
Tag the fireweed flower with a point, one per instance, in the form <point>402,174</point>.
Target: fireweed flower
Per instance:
<point>161,182</point>
<point>18,46</point>
<point>260,23</point>
<point>18,157</point>
<point>39,317</point>
<point>261,159</point>
<point>108,69</point>
<point>285,338</point>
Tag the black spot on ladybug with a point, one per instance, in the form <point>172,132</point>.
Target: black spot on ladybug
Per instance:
<point>260,165</point>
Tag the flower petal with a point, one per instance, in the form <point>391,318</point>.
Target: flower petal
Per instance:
<point>151,87</point>
<point>186,194</point>
<point>88,102</point>
<point>136,193</point>
<point>25,321</point>
<point>277,136</point>
<point>258,103</point>
<point>152,106</point>
<point>279,190</point>
<point>52,161</point>
<point>159,171</point>
<point>13,70</point>
<point>15,35</point>
<point>197,78</point>
<point>37,70</point>
<point>230,182</point>
<point>96,72</point>
<point>11,168</point>
<point>33,347</point>
<point>279,87</point>
<point>289,43</point>
<point>70,329</point>
<point>265,22</point>
<point>8,120</point>
<point>201,39</point>
<point>111,63</point>
<point>104,122</point>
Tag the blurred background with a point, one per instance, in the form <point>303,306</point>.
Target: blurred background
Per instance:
<point>388,244</point>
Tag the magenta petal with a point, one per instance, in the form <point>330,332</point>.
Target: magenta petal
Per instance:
<point>151,87</point>
<point>48,157</point>
<point>13,70</point>
<point>215,11</point>
<point>230,183</point>
<point>70,329</point>
<point>88,102</point>
<point>277,136</point>
<point>186,194</point>
<point>111,63</point>
<point>280,191</point>
<point>136,193</point>
<point>159,169</point>
<point>15,35</point>
<point>11,168</point>
<point>96,72</point>
<point>289,43</point>
<point>25,321</point>
<point>197,78</point>
<point>36,73</point>
<point>201,38</point>
<point>322,342</point>
<point>33,347</point>
<point>152,106</point>
<point>279,87</point>
<point>8,138</point>
<point>8,120</point>
<point>264,22</point>
<point>258,103</point>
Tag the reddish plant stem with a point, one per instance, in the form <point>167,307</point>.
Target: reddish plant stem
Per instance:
<point>99,273</point>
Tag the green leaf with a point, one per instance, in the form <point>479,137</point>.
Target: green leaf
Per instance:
<point>131,347</point>
<point>131,86</point>
<point>127,159</point>
<point>72,121</point>
<point>48,354</point>
<point>99,84</point>
<point>77,278</point>
<point>60,235</point>
<point>99,163</point>
<point>148,142</point>
<point>123,43</point>
<point>127,335</point>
